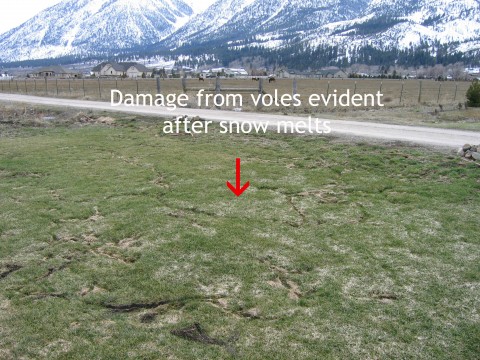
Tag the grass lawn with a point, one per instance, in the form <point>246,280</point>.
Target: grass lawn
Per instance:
<point>117,241</point>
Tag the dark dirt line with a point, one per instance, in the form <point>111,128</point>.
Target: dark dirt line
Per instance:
<point>303,218</point>
<point>40,296</point>
<point>11,268</point>
<point>53,270</point>
<point>196,333</point>
<point>151,305</point>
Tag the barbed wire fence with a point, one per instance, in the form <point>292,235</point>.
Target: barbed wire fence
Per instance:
<point>395,92</point>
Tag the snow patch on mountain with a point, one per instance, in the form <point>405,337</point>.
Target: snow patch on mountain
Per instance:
<point>199,6</point>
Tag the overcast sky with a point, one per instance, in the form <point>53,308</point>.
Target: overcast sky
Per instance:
<point>16,12</point>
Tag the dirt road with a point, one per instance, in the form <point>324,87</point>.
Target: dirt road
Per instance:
<point>414,134</point>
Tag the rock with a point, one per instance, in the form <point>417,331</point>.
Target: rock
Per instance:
<point>468,154</point>
<point>473,149</point>
<point>466,147</point>
<point>476,155</point>
<point>460,152</point>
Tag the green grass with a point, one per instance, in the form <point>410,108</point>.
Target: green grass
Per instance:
<point>449,118</point>
<point>337,250</point>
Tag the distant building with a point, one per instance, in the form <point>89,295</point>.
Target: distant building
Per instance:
<point>331,74</point>
<point>283,73</point>
<point>228,72</point>
<point>126,69</point>
<point>55,71</point>
<point>318,74</point>
<point>181,71</point>
<point>236,72</point>
<point>472,71</point>
<point>5,76</point>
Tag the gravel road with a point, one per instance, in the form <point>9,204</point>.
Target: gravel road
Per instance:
<point>445,138</point>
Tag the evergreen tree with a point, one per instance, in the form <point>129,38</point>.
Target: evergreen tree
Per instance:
<point>473,94</point>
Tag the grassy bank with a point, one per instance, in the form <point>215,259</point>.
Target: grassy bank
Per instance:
<point>117,241</point>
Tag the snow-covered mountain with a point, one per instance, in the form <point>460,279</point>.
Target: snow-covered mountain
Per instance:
<point>267,22</point>
<point>89,27</point>
<point>106,27</point>
<point>381,23</point>
<point>408,23</point>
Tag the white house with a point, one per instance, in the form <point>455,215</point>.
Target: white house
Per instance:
<point>128,69</point>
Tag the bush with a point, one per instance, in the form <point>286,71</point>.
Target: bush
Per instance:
<point>473,94</point>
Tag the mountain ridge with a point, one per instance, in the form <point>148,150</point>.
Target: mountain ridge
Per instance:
<point>106,28</point>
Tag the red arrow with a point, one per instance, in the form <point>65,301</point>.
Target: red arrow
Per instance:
<point>238,190</point>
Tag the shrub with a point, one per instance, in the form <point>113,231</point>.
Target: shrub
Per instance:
<point>473,94</point>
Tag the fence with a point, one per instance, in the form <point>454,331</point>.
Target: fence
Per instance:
<point>396,92</point>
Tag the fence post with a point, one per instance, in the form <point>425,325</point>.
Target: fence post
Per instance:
<point>260,91</point>
<point>381,86</point>
<point>184,84</point>
<point>328,87</point>
<point>56,85</point>
<point>99,89</point>
<point>401,93</point>
<point>456,88</point>
<point>294,91</point>
<point>16,83</point>
<point>46,86</point>
<point>69,87</point>
<point>218,87</point>
<point>26,90</point>
<point>355,88</point>
<point>438,97</point>
<point>83,80</point>
<point>158,85</point>
<point>10,85</point>
<point>420,92</point>
<point>35,85</point>
<point>137,85</point>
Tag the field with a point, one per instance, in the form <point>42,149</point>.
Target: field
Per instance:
<point>117,242</point>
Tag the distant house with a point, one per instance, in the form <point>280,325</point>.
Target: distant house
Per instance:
<point>180,72</point>
<point>331,74</point>
<point>325,74</point>
<point>55,71</point>
<point>334,73</point>
<point>126,69</point>
<point>236,72</point>
<point>283,73</point>
<point>227,72</point>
